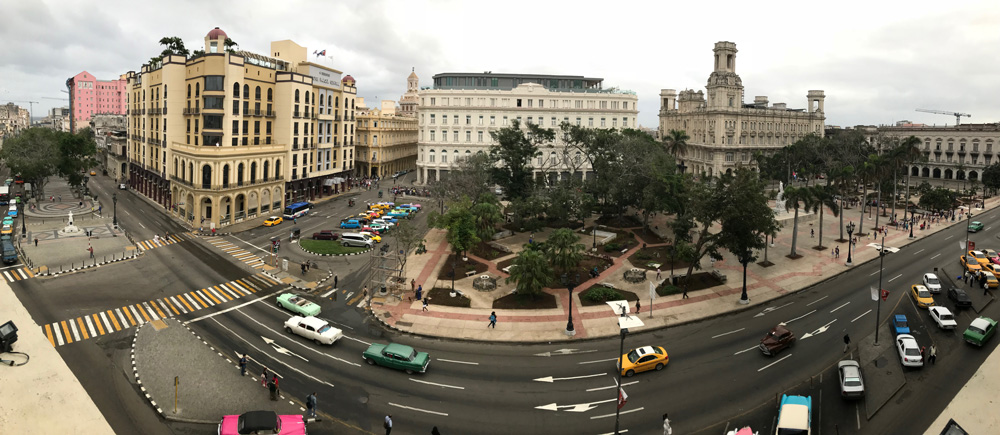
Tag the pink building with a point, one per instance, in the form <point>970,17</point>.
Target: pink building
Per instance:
<point>89,96</point>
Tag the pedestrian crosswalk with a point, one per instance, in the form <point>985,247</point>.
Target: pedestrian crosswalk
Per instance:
<point>159,242</point>
<point>252,260</point>
<point>17,274</point>
<point>118,319</point>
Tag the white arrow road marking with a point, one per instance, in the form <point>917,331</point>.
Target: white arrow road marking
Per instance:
<point>800,317</point>
<point>862,315</point>
<point>769,309</point>
<point>818,331</point>
<point>727,333</point>
<point>253,301</point>
<point>894,278</point>
<point>458,362</point>
<point>300,344</point>
<point>550,379</point>
<point>817,300</point>
<point>437,385</point>
<point>282,350</point>
<point>842,306</point>
<point>262,352</point>
<point>597,361</point>
<point>327,294</point>
<point>564,352</point>
<point>746,350</point>
<point>610,386</point>
<point>946,238</point>
<point>418,409</point>
<point>612,415</point>
<point>579,407</point>
<point>771,364</point>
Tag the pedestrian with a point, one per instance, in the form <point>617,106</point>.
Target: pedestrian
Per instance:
<point>273,389</point>
<point>425,303</point>
<point>657,273</point>
<point>335,279</point>
<point>933,355</point>
<point>388,424</point>
<point>493,320</point>
<point>838,252</point>
<point>36,242</point>
<point>986,288</point>
<point>419,293</point>
<point>413,285</point>
<point>311,404</point>
<point>303,267</point>
<point>434,431</point>
<point>638,307</point>
<point>922,349</point>
<point>91,250</point>
<point>685,294</point>
<point>99,208</point>
<point>295,220</point>
<point>263,378</point>
<point>667,430</point>
<point>277,390</point>
<point>213,231</point>
<point>60,198</point>
<point>847,342</point>
<point>243,365</point>
<point>812,233</point>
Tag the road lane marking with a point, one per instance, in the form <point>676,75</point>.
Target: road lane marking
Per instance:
<point>874,273</point>
<point>590,390</point>
<point>800,317</point>
<point>724,333</point>
<point>894,278</point>
<point>107,322</point>
<point>194,301</point>
<point>207,316</point>
<point>437,385</point>
<point>443,414</point>
<point>204,300</point>
<point>181,303</point>
<point>842,306</point>
<point>742,351</point>
<point>64,335</point>
<point>275,359</point>
<point>862,315</point>
<point>946,238</point>
<point>935,256</point>
<point>97,321</point>
<point>817,300</point>
<point>150,310</point>
<point>551,379</point>
<point>76,333</point>
<point>458,362</point>
<point>138,318</point>
<point>771,364</point>
<point>120,316</point>
<point>612,415</point>
<point>157,309</point>
<point>48,334</point>
<point>90,328</point>
<point>915,253</point>
<point>208,291</point>
<point>223,296</point>
<point>327,294</point>
<point>597,361</point>
<point>165,303</point>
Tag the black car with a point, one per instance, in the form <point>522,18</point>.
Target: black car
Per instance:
<point>961,299</point>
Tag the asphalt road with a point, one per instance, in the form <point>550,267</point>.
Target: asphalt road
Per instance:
<point>716,378</point>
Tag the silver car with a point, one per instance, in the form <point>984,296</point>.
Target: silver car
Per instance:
<point>852,385</point>
<point>932,283</point>
<point>909,351</point>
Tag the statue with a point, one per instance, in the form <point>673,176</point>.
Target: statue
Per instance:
<point>779,201</point>
<point>71,218</point>
<point>781,190</point>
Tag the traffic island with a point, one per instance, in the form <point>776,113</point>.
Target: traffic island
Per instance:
<point>883,373</point>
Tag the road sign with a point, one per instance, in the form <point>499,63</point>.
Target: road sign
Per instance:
<point>972,245</point>
<point>885,294</point>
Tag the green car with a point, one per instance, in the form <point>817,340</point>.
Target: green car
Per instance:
<point>298,305</point>
<point>7,220</point>
<point>397,356</point>
<point>980,330</point>
<point>975,226</point>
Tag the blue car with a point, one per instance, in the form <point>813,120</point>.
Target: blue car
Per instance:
<point>352,223</point>
<point>397,213</point>
<point>899,325</point>
<point>409,208</point>
<point>795,415</point>
<point>12,212</point>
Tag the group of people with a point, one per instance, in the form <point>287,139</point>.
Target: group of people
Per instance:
<point>978,276</point>
<point>412,191</point>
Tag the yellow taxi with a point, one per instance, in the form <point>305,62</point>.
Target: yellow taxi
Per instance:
<point>994,269</point>
<point>273,220</point>
<point>93,172</point>
<point>921,296</point>
<point>981,258</point>
<point>970,263</point>
<point>643,359</point>
<point>377,238</point>
<point>7,229</point>
<point>991,281</point>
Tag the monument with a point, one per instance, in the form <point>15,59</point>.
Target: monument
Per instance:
<point>70,228</point>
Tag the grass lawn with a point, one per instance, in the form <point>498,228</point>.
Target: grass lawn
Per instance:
<point>327,247</point>
<point>598,295</point>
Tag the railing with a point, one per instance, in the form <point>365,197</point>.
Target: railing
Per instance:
<point>269,114</point>
<point>296,114</point>
<point>190,111</point>
<point>258,113</point>
<point>336,117</point>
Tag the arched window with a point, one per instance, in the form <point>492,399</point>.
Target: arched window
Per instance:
<point>191,173</point>
<point>277,169</point>
<point>329,100</point>
<point>432,156</point>
<point>269,94</point>
<point>197,90</point>
<point>246,91</point>
<point>257,93</point>
<point>307,97</point>
<point>352,103</point>
<point>296,95</point>
<point>236,90</point>
<point>225,176</point>
<point>206,177</point>
<point>266,167</point>
<point>164,94</point>
<point>253,172</point>
<point>175,170</point>
<point>336,102</point>
<point>239,174</point>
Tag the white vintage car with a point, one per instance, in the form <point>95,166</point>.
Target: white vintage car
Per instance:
<point>313,328</point>
<point>943,317</point>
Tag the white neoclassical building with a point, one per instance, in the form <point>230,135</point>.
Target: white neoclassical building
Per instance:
<point>456,116</point>
<point>952,152</point>
<point>724,131</point>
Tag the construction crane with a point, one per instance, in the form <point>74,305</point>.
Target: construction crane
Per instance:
<point>958,116</point>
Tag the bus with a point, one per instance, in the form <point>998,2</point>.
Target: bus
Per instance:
<point>4,195</point>
<point>297,210</point>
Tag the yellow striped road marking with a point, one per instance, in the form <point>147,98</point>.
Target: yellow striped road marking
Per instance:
<point>28,271</point>
<point>72,328</point>
<point>241,288</point>
<point>97,320</point>
<point>131,321</point>
<point>235,289</point>
<point>181,298</point>
<point>21,273</point>
<point>171,305</point>
<point>356,298</point>
<point>218,292</point>
<point>206,292</point>
<point>141,311</point>
<point>164,306</point>
<point>213,294</point>
<point>190,299</point>
<point>83,329</point>
<point>61,336</point>
<point>266,278</point>
<point>48,334</point>
<point>125,323</point>
<point>162,316</point>
<point>246,286</point>
<point>107,324</point>
<point>90,326</point>
<point>138,318</point>
<point>195,294</point>
<point>225,291</point>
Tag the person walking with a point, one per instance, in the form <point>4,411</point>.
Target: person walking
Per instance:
<point>263,378</point>
<point>91,250</point>
<point>311,404</point>
<point>493,320</point>
<point>657,273</point>
<point>413,285</point>
<point>243,365</point>
<point>838,252</point>
<point>277,390</point>
<point>36,242</point>
<point>986,288</point>
<point>388,424</point>
<point>425,303</point>
<point>932,357</point>
<point>638,307</point>
<point>847,342</point>
<point>434,431</point>
<point>335,279</point>
<point>684,295</point>
<point>667,430</point>
<point>273,389</point>
<point>812,233</point>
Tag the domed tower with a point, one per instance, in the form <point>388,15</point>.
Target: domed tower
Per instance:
<point>347,80</point>
<point>725,88</point>
<point>215,41</point>
<point>408,103</point>
<point>412,81</point>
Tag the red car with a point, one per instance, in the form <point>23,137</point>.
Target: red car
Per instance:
<point>777,340</point>
<point>369,229</point>
<point>326,235</point>
<point>262,422</point>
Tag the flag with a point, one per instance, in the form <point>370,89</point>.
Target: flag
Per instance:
<point>320,53</point>
<point>622,397</point>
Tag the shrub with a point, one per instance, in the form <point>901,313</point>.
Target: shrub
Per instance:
<point>603,294</point>
<point>611,247</point>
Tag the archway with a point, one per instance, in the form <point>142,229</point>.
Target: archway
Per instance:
<point>225,211</point>
<point>265,201</point>
<point>926,172</point>
<point>948,174</point>
<point>207,209</point>
<point>241,206</point>
<point>973,175</point>
<point>937,173</point>
<point>253,203</point>
<point>915,171</point>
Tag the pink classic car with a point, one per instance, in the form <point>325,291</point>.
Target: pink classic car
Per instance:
<point>262,422</point>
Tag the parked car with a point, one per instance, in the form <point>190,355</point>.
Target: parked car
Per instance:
<point>992,255</point>
<point>414,204</point>
<point>326,235</point>
<point>397,356</point>
<point>852,385</point>
<point>122,186</point>
<point>350,223</point>
<point>356,240</point>
<point>270,422</point>
<point>7,229</point>
<point>313,328</point>
<point>921,296</point>
<point>777,339</point>
<point>909,351</point>
<point>273,220</point>
<point>297,305</point>
<point>378,227</point>
<point>7,220</point>
<point>377,238</point>
<point>943,317</point>
<point>980,330</point>
<point>932,283</point>
<point>975,226</point>
<point>970,264</point>
<point>389,223</point>
<point>899,325</point>
<point>794,415</point>
<point>397,213</point>
<point>390,219</point>
<point>981,258</point>
<point>991,280</point>
<point>410,208</point>
<point>960,298</point>
<point>643,359</point>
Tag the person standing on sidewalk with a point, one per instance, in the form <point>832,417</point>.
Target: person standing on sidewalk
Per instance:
<point>91,250</point>
<point>667,430</point>
<point>311,404</point>
<point>493,320</point>
<point>388,424</point>
<point>425,303</point>
<point>847,342</point>
<point>263,378</point>
<point>243,365</point>
<point>335,279</point>
<point>638,306</point>
<point>932,357</point>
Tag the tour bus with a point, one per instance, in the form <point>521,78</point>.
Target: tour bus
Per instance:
<point>297,210</point>
<point>4,195</point>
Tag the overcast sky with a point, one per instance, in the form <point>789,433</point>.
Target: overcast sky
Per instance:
<point>877,61</point>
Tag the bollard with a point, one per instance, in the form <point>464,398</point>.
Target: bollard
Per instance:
<point>105,258</point>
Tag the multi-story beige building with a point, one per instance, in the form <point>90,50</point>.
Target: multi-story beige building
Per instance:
<point>13,119</point>
<point>952,152</point>
<point>387,142</point>
<point>724,131</point>
<point>457,115</point>
<point>225,136</point>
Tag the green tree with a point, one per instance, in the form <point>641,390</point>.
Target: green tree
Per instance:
<point>531,272</point>
<point>793,197</point>
<point>676,143</point>
<point>747,219</point>
<point>706,204</point>
<point>567,201</point>
<point>231,46</point>
<point>562,249</point>
<point>407,237</point>
<point>76,155</point>
<point>511,156</point>
<point>173,45</point>
<point>460,224</point>
<point>991,177</point>
<point>938,199</point>
<point>486,214</point>
<point>822,197</point>
<point>33,154</point>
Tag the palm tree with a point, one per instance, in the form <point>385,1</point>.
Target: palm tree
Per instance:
<point>822,196</point>
<point>676,143</point>
<point>910,151</point>
<point>842,177</point>
<point>793,195</point>
<point>174,45</point>
<point>531,271</point>
<point>562,249</point>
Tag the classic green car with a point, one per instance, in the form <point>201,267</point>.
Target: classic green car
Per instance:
<point>7,220</point>
<point>975,226</point>
<point>397,356</point>
<point>980,330</point>
<point>298,305</point>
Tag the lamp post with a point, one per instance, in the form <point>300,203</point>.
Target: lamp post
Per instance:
<point>968,221</point>
<point>114,200</point>
<point>570,285</point>
<point>595,235</point>
<point>850,242</point>
<point>878,298</point>
<point>24,229</point>
<point>453,272</point>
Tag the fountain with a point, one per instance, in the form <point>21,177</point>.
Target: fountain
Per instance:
<point>70,229</point>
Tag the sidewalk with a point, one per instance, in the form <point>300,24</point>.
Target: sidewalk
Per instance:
<point>44,393</point>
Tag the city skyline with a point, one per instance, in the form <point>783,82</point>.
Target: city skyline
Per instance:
<point>873,72</point>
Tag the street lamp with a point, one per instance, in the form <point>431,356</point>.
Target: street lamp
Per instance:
<point>114,200</point>
<point>24,228</point>
<point>570,285</point>
<point>878,296</point>
<point>850,242</point>
<point>595,235</point>
<point>968,221</point>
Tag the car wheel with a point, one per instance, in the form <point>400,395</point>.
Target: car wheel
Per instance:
<point>659,367</point>
<point>409,372</point>
<point>344,244</point>
<point>278,304</point>
<point>370,362</point>
<point>318,342</point>
<point>288,330</point>
<point>630,373</point>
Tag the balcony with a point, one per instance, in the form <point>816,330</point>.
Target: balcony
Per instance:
<point>336,117</point>
<point>190,111</point>
<point>269,114</point>
<point>352,118</point>
<point>296,114</point>
<point>155,111</point>
<point>258,113</point>
<point>961,151</point>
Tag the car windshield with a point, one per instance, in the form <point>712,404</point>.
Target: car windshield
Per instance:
<point>633,356</point>
<point>923,293</point>
<point>933,281</point>
<point>901,323</point>
<point>970,259</point>
<point>979,255</point>
<point>852,382</point>
<point>324,328</point>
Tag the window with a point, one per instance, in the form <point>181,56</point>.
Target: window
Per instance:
<point>432,137</point>
<point>236,90</point>
<point>454,136</point>
<point>504,120</point>
<point>602,122</point>
<point>590,122</point>
<point>214,103</point>
<point>214,83</point>
<point>432,119</point>
<point>480,137</point>
<point>433,103</point>
<point>493,120</point>
<point>468,136</point>
<point>577,121</point>
<point>213,122</point>
<point>518,102</point>
<point>468,120</point>
<point>455,119</point>
<point>257,93</point>
<point>432,156</point>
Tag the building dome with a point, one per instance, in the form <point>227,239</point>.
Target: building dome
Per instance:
<point>413,75</point>
<point>217,33</point>
<point>348,78</point>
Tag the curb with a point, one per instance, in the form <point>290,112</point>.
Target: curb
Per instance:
<point>332,255</point>
<point>77,269</point>
<point>298,287</point>
<point>135,373</point>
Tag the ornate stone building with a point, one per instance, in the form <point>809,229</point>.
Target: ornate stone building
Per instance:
<point>724,130</point>
<point>229,135</point>
<point>458,114</point>
<point>387,142</point>
<point>411,99</point>
<point>13,119</point>
<point>953,152</point>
